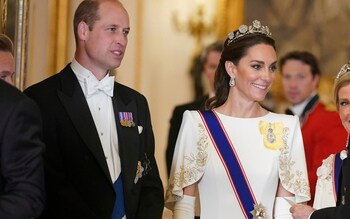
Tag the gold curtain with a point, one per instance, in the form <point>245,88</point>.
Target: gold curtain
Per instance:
<point>230,15</point>
<point>58,37</point>
<point>138,42</point>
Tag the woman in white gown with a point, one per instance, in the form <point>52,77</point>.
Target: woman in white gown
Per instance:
<point>244,161</point>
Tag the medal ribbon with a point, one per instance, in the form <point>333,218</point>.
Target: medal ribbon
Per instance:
<point>230,161</point>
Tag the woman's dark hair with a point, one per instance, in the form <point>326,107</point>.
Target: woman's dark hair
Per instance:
<point>233,52</point>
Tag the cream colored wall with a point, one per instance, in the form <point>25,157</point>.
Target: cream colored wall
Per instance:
<point>163,53</point>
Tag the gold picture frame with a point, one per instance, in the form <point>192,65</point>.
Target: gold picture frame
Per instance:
<point>14,23</point>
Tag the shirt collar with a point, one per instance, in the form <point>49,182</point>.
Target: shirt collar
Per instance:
<point>299,108</point>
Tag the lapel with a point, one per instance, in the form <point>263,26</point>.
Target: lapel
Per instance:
<point>73,100</point>
<point>310,106</point>
<point>128,137</point>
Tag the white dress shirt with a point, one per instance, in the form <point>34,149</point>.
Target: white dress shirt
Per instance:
<point>101,109</point>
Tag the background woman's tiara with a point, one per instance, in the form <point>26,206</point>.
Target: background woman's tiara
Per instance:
<point>343,70</point>
<point>244,30</point>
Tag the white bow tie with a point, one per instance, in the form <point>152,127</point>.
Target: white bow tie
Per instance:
<point>93,86</point>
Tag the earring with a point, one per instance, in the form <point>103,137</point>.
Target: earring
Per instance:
<point>232,82</point>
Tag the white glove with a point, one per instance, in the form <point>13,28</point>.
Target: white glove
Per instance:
<point>184,208</point>
<point>282,206</point>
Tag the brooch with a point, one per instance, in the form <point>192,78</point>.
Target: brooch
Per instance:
<point>126,119</point>
<point>138,172</point>
<point>343,154</point>
<point>272,134</point>
<point>142,168</point>
<point>258,212</point>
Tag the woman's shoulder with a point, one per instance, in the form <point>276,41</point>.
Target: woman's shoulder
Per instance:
<point>283,117</point>
<point>193,114</point>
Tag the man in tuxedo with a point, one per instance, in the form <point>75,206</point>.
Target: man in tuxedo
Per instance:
<point>319,125</point>
<point>22,193</point>
<point>99,161</point>
<point>7,61</point>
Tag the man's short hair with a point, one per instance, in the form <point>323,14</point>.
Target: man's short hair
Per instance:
<point>6,44</point>
<point>303,56</point>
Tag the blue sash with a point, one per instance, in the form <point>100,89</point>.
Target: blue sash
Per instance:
<point>231,162</point>
<point>119,209</point>
<point>336,172</point>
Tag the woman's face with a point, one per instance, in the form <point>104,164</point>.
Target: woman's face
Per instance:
<point>255,72</point>
<point>344,106</point>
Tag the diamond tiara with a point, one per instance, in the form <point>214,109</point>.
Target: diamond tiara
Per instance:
<point>244,30</point>
<point>343,70</point>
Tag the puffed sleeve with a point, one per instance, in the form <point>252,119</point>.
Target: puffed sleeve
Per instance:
<point>325,192</point>
<point>292,163</point>
<point>190,157</point>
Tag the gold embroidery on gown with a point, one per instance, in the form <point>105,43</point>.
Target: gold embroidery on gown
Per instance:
<point>193,163</point>
<point>292,181</point>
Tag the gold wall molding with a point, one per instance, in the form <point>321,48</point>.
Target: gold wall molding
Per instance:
<point>16,27</point>
<point>3,15</point>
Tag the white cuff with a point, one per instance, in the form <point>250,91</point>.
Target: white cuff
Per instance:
<point>282,206</point>
<point>184,208</point>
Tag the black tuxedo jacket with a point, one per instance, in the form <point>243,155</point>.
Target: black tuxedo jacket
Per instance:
<point>342,210</point>
<point>175,124</point>
<point>77,176</point>
<point>22,192</point>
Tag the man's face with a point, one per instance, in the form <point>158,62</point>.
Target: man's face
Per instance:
<point>297,81</point>
<point>210,66</point>
<point>105,44</point>
<point>7,67</point>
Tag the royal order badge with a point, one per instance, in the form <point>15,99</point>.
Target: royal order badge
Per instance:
<point>272,134</point>
<point>259,212</point>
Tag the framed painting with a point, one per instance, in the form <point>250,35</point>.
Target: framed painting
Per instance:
<point>14,23</point>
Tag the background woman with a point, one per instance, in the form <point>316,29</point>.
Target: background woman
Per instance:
<point>332,195</point>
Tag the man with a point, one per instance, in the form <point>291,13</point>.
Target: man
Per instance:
<point>99,159</point>
<point>300,78</point>
<point>7,61</point>
<point>22,193</point>
<point>209,59</point>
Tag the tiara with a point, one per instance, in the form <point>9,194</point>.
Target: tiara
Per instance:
<point>343,70</point>
<point>244,30</point>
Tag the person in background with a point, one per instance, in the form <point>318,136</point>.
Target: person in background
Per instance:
<point>99,160</point>
<point>208,62</point>
<point>300,78</point>
<point>245,161</point>
<point>7,70</point>
<point>332,192</point>
<point>209,59</point>
<point>22,189</point>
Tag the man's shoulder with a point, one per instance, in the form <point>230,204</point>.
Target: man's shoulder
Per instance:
<point>325,109</point>
<point>50,83</point>
<point>128,91</point>
<point>197,104</point>
<point>9,93</point>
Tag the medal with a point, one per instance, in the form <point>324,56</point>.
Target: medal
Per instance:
<point>258,212</point>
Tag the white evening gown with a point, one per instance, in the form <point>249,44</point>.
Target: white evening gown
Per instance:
<point>195,159</point>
